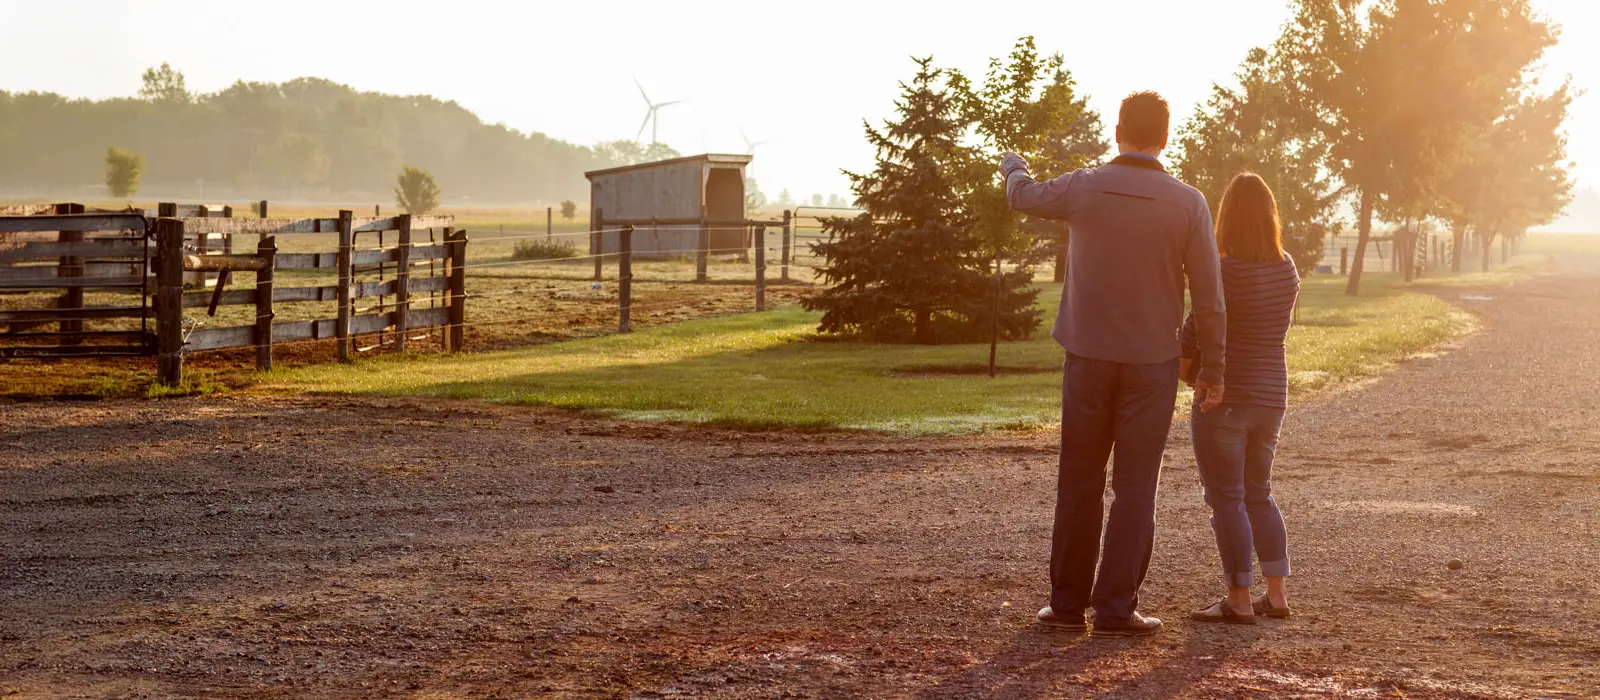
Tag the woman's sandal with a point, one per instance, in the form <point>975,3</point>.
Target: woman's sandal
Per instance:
<point>1263,606</point>
<point>1225,615</point>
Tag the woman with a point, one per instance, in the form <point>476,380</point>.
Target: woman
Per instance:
<point>1234,442</point>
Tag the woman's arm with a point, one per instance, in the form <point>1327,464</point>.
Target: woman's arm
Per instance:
<point>1189,366</point>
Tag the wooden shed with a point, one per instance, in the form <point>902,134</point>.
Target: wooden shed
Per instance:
<point>707,189</point>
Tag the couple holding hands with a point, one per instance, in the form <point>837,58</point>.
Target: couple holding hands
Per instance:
<point>1138,234</point>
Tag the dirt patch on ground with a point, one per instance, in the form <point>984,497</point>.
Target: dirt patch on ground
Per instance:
<point>287,547</point>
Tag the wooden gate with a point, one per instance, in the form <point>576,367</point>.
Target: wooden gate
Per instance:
<point>75,284</point>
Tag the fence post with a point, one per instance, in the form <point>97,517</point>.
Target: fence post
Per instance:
<point>597,242</point>
<point>549,223</point>
<point>625,279</point>
<point>455,335</point>
<point>169,301</point>
<point>71,266</point>
<point>402,282</point>
<point>702,249</point>
<point>761,268</point>
<point>227,238</point>
<point>267,250</point>
<point>262,209</point>
<point>784,254</point>
<point>1344,261</point>
<point>342,325</point>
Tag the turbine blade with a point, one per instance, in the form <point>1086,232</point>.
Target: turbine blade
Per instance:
<point>645,123</point>
<point>641,89</point>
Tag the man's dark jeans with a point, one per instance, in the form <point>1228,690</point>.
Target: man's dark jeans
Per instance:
<point>1106,408</point>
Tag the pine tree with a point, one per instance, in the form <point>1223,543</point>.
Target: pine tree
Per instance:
<point>913,268</point>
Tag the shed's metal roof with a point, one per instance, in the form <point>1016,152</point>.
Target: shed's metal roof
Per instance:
<point>727,158</point>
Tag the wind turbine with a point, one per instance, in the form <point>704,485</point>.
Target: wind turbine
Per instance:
<point>650,119</point>
<point>750,147</point>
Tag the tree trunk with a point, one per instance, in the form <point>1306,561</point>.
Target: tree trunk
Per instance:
<point>1486,247</point>
<point>1061,255</point>
<point>1406,251</point>
<point>1363,233</point>
<point>924,327</point>
<point>1458,240</point>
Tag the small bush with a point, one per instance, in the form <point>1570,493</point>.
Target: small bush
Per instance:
<point>542,250</point>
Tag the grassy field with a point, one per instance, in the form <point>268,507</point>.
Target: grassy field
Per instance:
<point>769,370</point>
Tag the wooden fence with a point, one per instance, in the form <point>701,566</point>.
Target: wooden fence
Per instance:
<point>52,258</point>
<point>158,254</point>
<point>624,241</point>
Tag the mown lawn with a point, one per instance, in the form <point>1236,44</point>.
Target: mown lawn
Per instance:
<point>769,369</point>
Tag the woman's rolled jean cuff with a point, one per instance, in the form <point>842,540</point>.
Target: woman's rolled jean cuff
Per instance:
<point>1275,569</point>
<point>1243,579</point>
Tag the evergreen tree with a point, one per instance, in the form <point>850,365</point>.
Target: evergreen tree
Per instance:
<point>913,267</point>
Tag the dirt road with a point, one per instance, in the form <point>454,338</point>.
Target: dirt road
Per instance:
<point>296,547</point>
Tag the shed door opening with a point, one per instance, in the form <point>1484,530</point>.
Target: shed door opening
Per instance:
<point>725,202</point>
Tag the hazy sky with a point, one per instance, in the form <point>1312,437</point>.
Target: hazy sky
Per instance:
<point>798,76</point>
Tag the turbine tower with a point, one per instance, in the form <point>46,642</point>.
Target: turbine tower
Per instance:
<point>650,118</point>
<point>749,146</point>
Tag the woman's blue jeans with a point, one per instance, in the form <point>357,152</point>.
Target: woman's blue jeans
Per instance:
<point>1234,446</point>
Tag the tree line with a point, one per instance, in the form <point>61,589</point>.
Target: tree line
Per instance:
<point>1413,112</point>
<point>305,138</point>
<point>1416,112</point>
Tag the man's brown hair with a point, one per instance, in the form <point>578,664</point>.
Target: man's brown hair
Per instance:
<point>1247,221</point>
<point>1144,120</point>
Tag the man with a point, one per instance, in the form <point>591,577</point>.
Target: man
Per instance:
<point>1137,232</point>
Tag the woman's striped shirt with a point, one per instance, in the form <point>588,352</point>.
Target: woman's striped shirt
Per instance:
<point>1260,299</point>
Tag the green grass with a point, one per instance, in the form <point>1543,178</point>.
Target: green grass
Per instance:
<point>769,371</point>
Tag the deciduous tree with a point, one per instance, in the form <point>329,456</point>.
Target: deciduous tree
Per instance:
<point>123,169</point>
<point>1027,104</point>
<point>165,85</point>
<point>415,191</point>
<point>1253,127</point>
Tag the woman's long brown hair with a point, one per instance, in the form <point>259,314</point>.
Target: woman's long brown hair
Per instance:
<point>1247,222</point>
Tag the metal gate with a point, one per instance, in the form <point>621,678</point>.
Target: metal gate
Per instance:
<point>75,285</point>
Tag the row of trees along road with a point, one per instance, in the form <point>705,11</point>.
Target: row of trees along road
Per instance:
<point>1411,110</point>
<point>921,264</point>
<point>307,137</point>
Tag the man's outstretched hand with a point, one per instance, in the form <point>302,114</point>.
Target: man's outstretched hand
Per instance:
<point>1010,162</point>
<point>1210,395</point>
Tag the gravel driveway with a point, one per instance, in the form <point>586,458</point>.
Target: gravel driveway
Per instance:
<point>1444,522</point>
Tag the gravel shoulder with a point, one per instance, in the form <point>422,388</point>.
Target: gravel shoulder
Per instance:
<point>265,546</point>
